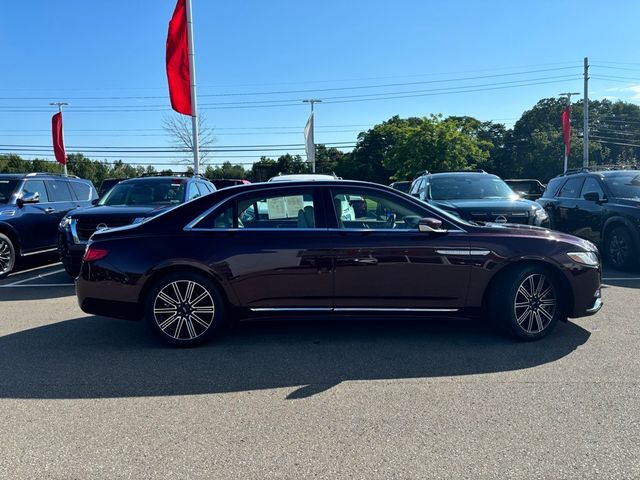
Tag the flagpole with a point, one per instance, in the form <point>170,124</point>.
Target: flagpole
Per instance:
<point>59,105</point>
<point>194,101</point>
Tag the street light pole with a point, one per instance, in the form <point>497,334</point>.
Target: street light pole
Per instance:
<point>60,105</point>
<point>311,152</point>
<point>566,157</point>
<point>585,135</point>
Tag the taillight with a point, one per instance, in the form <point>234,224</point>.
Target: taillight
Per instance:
<point>92,254</point>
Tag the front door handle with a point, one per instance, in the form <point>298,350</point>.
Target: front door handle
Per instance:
<point>49,209</point>
<point>366,261</point>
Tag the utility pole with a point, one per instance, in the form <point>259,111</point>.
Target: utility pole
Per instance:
<point>60,105</point>
<point>585,129</point>
<point>566,156</point>
<point>310,144</point>
<point>194,101</point>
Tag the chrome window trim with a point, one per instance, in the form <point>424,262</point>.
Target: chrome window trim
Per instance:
<point>463,252</point>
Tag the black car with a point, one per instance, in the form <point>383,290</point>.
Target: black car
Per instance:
<point>603,207</point>
<point>31,206</point>
<point>403,186</point>
<point>332,248</point>
<point>477,196</point>
<point>528,188</point>
<point>129,201</point>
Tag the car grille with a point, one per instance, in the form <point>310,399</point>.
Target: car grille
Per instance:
<point>496,216</point>
<point>86,228</point>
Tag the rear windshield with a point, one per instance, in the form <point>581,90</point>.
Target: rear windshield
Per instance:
<point>146,192</point>
<point>6,189</point>
<point>626,185</point>
<point>469,187</point>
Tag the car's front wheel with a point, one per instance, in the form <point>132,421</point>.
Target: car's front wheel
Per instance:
<point>526,302</point>
<point>7,256</point>
<point>185,309</point>
<point>620,250</point>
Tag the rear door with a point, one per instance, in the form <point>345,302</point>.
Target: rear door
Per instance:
<point>37,225</point>
<point>590,214</point>
<point>383,262</point>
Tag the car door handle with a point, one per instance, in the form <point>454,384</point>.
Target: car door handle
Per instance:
<point>49,209</point>
<point>366,261</point>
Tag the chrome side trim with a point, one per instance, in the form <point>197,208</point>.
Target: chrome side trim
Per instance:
<point>464,252</point>
<point>597,305</point>
<point>39,252</point>
<point>350,309</point>
<point>74,232</point>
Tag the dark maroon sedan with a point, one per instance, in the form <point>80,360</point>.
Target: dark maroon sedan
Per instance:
<point>335,247</point>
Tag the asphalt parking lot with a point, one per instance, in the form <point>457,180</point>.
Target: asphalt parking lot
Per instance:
<point>90,397</point>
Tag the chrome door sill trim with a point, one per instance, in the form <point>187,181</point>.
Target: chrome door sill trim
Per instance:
<point>39,251</point>
<point>464,252</point>
<point>292,309</point>
<point>350,309</point>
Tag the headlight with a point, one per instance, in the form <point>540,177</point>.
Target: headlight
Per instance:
<point>64,223</point>
<point>541,216</point>
<point>589,259</point>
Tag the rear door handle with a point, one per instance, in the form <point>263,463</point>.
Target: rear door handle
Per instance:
<point>49,209</point>
<point>366,261</point>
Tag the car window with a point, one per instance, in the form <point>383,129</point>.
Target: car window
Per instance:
<point>82,190</point>
<point>278,210</point>
<point>469,187</point>
<point>36,186</point>
<point>591,184</point>
<point>571,189</point>
<point>146,192</point>
<point>203,188</point>
<point>624,185</point>
<point>416,186</point>
<point>6,189</point>
<point>192,191</point>
<point>553,186</point>
<point>59,191</point>
<point>361,209</point>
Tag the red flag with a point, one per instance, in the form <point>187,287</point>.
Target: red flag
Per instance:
<point>58,142</point>
<point>178,61</point>
<point>566,128</point>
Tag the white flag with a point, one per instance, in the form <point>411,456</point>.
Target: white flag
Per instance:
<point>309,144</point>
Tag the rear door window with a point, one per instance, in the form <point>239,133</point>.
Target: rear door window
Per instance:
<point>59,191</point>
<point>571,189</point>
<point>592,184</point>
<point>82,190</point>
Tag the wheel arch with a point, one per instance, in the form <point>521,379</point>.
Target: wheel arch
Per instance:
<point>13,235</point>
<point>619,221</point>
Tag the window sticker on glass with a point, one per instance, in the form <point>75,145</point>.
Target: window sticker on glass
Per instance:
<point>276,208</point>
<point>294,204</point>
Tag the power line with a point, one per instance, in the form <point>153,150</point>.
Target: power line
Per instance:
<point>616,143</point>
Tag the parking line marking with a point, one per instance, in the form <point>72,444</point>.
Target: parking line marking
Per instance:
<point>39,285</point>
<point>40,275</point>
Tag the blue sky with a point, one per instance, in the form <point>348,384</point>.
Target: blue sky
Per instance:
<point>92,54</point>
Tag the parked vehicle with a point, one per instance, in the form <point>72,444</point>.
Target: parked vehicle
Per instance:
<point>601,206</point>
<point>107,184</point>
<point>477,196</point>
<point>403,186</point>
<point>189,269</point>
<point>130,201</point>
<point>528,188</point>
<point>31,206</point>
<point>228,182</point>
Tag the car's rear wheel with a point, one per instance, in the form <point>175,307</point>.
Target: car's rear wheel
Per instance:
<point>7,256</point>
<point>620,249</point>
<point>185,309</point>
<point>526,302</point>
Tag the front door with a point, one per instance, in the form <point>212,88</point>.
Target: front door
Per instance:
<point>383,262</point>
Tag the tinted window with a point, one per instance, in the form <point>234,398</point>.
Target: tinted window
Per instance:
<point>33,186</point>
<point>360,209</point>
<point>468,187</point>
<point>192,191</point>
<point>82,190</point>
<point>571,189</point>
<point>59,191</point>
<point>592,184</point>
<point>553,186</point>
<point>146,192</point>
<point>626,185</point>
<point>6,189</point>
<point>417,184</point>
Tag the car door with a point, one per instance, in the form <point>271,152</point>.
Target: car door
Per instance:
<point>62,201</point>
<point>382,261</point>
<point>589,215</point>
<point>275,248</point>
<point>567,209</point>
<point>37,224</point>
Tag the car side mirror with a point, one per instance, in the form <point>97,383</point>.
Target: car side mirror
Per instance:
<point>31,197</point>
<point>591,197</point>
<point>431,225</point>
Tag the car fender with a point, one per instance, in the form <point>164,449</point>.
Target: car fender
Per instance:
<point>617,219</point>
<point>8,230</point>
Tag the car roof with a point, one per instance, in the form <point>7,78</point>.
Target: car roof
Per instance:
<point>302,176</point>
<point>461,174</point>
<point>160,178</point>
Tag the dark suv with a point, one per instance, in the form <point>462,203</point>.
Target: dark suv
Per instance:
<point>31,206</point>
<point>477,196</point>
<point>603,207</point>
<point>130,201</point>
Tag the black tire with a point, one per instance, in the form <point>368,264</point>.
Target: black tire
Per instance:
<point>7,256</point>
<point>193,318</point>
<point>620,249</point>
<point>525,303</point>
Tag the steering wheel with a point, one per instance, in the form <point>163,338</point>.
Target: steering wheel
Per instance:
<point>391,221</point>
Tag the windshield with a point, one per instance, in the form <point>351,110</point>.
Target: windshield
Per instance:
<point>625,185</point>
<point>6,189</point>
<point>145,192</point>
<point>469,187</point>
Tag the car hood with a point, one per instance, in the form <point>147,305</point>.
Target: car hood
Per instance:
<point>495,205</point>
<point>629,202</point>
<point>99,211</point>
<point>535,232</point>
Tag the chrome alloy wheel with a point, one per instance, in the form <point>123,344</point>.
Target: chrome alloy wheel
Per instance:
<point>618,249</point>
<point>535,303</point>
<point>184,310</point>
<point>5,256</point>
